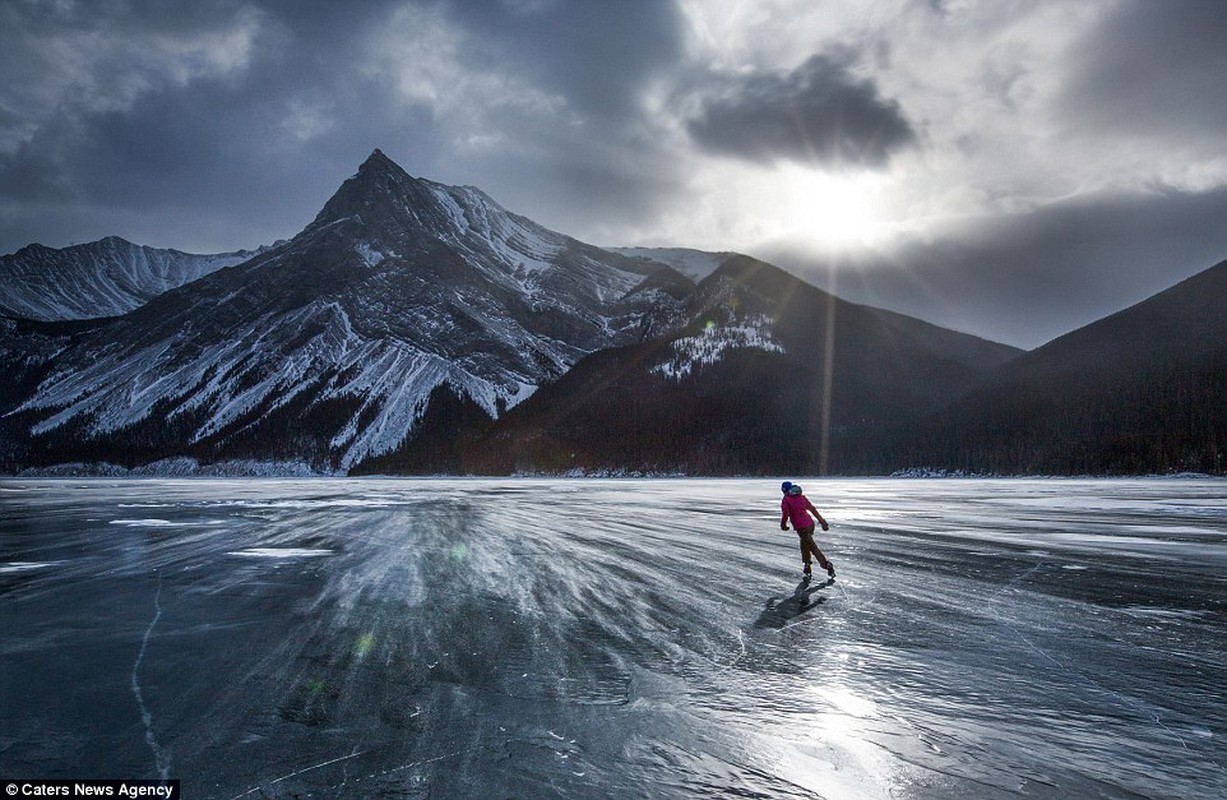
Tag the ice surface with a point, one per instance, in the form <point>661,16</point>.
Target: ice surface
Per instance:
<point>616,638</point>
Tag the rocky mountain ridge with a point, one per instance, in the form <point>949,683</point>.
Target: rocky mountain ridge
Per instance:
<point>106,278</point>
<point>414,327</point>
<point>330,345</point>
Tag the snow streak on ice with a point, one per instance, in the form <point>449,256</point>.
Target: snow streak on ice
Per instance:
<point>448,638</point>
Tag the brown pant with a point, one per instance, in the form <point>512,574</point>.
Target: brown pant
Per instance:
<point>808,547</point>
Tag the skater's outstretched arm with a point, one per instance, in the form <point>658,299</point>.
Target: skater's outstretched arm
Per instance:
<point>817,516</point>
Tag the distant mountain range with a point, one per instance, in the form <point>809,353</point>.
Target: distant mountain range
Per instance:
<point>106,278</point>
<point>1141,391</point>
<point>417,328</point>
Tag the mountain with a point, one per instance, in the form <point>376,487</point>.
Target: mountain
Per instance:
<point>694,264</point>
<point>1141,391</point>
<point>106,278</point>
<point>414,327</point>
<point>767,374</point>
<point>402,299</point>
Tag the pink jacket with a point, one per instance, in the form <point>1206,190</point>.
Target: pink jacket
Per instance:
<point>794,507</point>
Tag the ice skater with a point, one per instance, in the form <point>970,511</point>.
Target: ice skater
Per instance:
<point>796,507</point>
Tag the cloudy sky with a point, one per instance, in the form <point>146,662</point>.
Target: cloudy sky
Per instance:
<point>1014,169</point>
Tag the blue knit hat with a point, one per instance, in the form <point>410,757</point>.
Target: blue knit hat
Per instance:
<point>785,486</point>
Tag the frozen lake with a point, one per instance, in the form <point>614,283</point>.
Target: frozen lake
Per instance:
<point>615,638</point>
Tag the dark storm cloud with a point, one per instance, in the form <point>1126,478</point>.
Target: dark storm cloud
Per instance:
<point>158,128</point>
<point>1027,278</point>
<point>603,158</point>
<point>817,114</point>
<point>598,55</point>
<point>1153,68</point>
<point>166,122</point>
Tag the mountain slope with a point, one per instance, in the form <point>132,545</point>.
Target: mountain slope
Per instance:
<point>106,278</point>
<point>769,374</point>
<point>329,347</point>
<point>1144,390</point>
<point>414,327</point>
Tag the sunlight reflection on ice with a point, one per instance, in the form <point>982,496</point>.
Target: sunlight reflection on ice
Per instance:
<point>849,763</point>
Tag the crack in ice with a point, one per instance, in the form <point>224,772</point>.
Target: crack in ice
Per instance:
<point>345,771</point>
<point>1137,705</point>
<point>160,756</point>
<point>302,771</point>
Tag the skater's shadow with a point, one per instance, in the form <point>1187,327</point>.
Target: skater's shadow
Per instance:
<point>779,609</point>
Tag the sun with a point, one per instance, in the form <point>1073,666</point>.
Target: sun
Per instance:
<point>830,210</point>
<point>754,208</point>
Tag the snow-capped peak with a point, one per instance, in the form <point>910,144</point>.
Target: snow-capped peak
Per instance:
<point>694,264</point>
<point>105,278</point>
<point>400,287</point>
